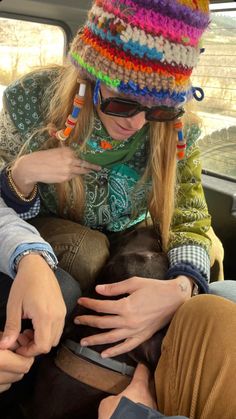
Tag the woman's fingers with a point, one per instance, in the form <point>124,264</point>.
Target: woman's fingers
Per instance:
<point>127,286</point>
<point>86,165</point>
<point>102,322</point>
<point>76,171</point>
<point>112,336</point>
<point>82,167</point>
<point>128,345</point>
<point>49,166</point>
<point>102,306</point>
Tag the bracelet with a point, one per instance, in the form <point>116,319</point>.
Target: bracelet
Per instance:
<point>14,188</point>
<point>44,253</point>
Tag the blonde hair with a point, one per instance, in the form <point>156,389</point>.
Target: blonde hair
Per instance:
<point>161,167</point>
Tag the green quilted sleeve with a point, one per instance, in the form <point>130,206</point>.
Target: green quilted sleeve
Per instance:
<point>191,219</point>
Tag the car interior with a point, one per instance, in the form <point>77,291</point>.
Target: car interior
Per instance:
<point>49,25</point>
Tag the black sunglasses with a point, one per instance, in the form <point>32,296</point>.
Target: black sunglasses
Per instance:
<point>117,106</point>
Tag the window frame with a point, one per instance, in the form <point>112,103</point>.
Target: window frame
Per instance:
<point>214,8</point>
<point>28,18</point>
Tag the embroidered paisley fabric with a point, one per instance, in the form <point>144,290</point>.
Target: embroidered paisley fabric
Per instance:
<point>11,141</point>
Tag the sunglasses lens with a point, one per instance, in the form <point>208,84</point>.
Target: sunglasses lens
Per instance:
<point>128,108</point>
<point>164,114</point>
<point>119,108</point>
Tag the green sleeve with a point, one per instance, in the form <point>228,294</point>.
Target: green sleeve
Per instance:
<point>191,219</point>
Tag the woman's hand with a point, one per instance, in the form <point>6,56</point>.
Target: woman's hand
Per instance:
<point>35,294</point>
<point>133,319</point>
<point>48,166</point>
<point>13,366</point>
<point>138,391</point>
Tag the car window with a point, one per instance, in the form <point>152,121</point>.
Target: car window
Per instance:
<point>216,74</point>
<point>26,45</point>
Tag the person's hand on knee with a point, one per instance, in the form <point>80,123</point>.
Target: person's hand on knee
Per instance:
<point>35,294</point>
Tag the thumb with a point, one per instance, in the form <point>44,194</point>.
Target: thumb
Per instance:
<point>12,325</point>
<point>141,373</point>
<point>127,286</point>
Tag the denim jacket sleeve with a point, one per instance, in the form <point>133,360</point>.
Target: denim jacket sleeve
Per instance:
<point>130,410</point>
<point>16,234</point>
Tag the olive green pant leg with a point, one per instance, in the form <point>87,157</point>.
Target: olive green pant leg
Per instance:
<point>81,252</point>
<point>196,374</point>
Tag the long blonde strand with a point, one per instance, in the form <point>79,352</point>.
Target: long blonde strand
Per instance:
<point>163,173</point>
<point>71,193</point>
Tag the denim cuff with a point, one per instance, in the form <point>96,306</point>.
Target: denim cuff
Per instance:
<point>129,410</point>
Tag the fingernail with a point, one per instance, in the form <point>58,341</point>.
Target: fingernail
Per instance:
<point>76,321</point>
<point>84,343</point>
<point>101,287</point>
<point>104,355</point>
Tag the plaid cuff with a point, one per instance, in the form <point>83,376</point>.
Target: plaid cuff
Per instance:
<point>193,255</point>
<point>32,212</point>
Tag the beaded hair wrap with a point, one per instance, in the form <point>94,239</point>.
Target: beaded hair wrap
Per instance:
<point>181,143</point>
<point>63,134</point>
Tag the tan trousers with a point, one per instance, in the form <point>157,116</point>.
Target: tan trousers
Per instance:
<point>196,374</point>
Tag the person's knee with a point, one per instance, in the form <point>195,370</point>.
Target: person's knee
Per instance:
<point>70,289</point>
<point>83,253</point>
<point>90,257</point>
<point>226,289</point>
<point>207,312</point>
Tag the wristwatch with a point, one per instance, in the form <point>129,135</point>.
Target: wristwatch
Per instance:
<point>47,257</point>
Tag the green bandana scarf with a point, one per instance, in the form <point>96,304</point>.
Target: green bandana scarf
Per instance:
<point>101,149</point>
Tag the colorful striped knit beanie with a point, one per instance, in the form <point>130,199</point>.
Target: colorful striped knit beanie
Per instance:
<point>146,49</point>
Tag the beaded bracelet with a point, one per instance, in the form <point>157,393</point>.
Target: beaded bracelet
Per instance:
<point>14,188</point>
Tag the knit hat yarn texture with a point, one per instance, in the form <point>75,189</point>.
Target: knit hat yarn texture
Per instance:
<point>146,49</point>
